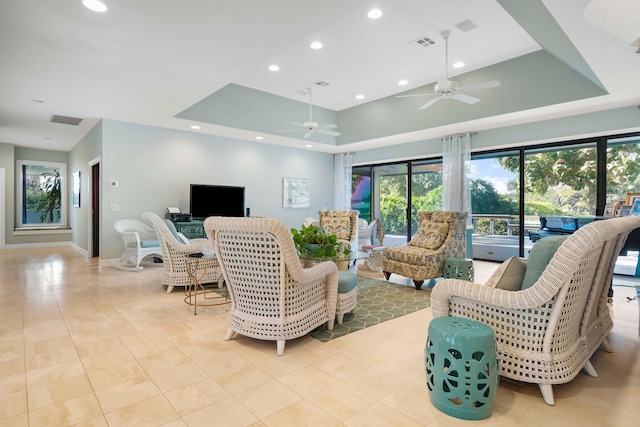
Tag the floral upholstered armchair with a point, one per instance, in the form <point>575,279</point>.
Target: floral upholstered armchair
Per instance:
<point>440,234</point>
<point>342,223</point>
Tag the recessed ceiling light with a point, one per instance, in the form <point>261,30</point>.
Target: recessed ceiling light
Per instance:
<point>316,45</point>
<point>360,96</point>
<point>458,64</point>
<point>95,5</point>
<point>195,127</point>
<point>308,145</point>
<point>403,82</point>
<point>274,67</point>
<point>374,14</point>
<point>259,138</point>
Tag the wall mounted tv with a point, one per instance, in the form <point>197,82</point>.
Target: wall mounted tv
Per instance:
<point>216,200</point>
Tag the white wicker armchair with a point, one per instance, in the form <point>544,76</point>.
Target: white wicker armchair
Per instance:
<point>140,242</point>
<point>272,296</point>
<point>547,333</point>
<point>175,254</point>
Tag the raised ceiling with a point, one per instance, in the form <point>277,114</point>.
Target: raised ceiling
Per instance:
<point>177,64</point>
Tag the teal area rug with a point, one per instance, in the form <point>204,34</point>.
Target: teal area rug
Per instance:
<point>378,301</point>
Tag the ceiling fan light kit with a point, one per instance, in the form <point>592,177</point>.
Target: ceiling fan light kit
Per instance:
<point>449,89</point>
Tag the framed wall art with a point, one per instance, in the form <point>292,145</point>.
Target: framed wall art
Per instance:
<point>295,193</point>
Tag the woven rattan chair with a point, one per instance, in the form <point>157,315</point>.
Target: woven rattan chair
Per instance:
<point>140,242</point>
<point>272,296</point>
<point>548,332</point>
<point>424,256</point>
<point>175,254</point>
<point>342,223</point>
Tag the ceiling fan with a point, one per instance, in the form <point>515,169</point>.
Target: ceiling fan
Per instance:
<point>312,126</point>
<point>448,89</point>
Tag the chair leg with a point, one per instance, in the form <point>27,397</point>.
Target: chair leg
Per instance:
<point>590,370</point>
<point>229,335</point>
<point>386,275</point>
<point>607,347</point>
<point>547,394</point>
<point>340,316</point>
<point>281,347</point>
<point>170,289</point>
<point>418,284</point>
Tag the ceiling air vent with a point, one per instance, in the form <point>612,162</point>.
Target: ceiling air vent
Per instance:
<point>423,42</point>
<point>465,26</point>
<point>321,83</point>
<point>636,44</point>
<point>65,120</point>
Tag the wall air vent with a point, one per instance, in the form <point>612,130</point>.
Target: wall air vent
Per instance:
<point>465,26</point>
<point>65,120</point>
<point>636,44</point>
<point>423,42</point>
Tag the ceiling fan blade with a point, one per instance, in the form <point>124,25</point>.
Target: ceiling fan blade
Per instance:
<point>416,94</point>
<point>479,86</point>
<point>465,98</point>
<point>298,124</point>
<point>308,134</point>
<point>328,126</point>
<point>430,103</point>
<point>290,130</point>
<point>328,132</point>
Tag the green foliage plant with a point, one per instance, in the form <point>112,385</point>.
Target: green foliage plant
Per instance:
<point>328,245</point>
<point>48,199</point>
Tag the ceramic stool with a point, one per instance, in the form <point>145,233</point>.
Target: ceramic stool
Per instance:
<point>458,268</point>
<point>462,368</point>
<point>347,294</point>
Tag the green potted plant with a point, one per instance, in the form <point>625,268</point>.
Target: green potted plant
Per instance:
<point>313,240</point>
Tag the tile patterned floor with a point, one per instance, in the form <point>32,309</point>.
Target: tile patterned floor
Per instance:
<point>79,346</point>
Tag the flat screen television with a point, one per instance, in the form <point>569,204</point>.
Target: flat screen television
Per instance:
<point>216,200</point>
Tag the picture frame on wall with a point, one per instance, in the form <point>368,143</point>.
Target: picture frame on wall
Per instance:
<point>296,193</point>
<point>635,208</point>
<point>75,197</point>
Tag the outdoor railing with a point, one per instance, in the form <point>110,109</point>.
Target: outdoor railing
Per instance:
<point>511,223</point>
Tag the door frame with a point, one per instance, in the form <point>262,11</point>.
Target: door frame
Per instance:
<point>93,197</point>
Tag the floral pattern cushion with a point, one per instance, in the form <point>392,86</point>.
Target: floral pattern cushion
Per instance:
<point>430,235</point>
<point>340,226</point>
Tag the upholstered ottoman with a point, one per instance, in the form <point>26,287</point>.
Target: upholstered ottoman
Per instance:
<point>462,367</point>
<point>347,293</point>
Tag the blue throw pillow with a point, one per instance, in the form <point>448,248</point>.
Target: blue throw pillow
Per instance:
<point>540,255</point>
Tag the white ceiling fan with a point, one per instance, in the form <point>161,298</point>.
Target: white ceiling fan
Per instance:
<point>448,89</point>
<point>312,126</point>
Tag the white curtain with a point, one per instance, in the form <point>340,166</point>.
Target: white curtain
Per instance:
<point>342,181</point>
<point>456,178</point>
<point>456,173</point>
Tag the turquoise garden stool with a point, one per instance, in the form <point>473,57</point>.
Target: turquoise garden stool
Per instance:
<point>458,268</point>
<point>462,367</point>
<point>347,294</point>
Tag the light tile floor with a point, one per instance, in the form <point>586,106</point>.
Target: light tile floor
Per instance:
<point>111,348</point>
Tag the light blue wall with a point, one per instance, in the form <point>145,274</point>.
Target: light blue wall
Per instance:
<point>87,150</point>
<point>154,167</point>
<point>603,122</point>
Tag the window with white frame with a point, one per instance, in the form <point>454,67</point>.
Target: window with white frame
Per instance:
<point>41,196</point>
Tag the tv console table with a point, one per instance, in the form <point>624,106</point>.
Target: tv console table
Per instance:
<point>191,229</point>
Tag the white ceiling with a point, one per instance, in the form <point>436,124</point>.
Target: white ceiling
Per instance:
<point>147,61</point>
